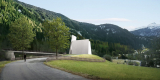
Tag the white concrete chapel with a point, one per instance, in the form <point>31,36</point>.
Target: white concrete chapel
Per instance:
<point>80,46</point>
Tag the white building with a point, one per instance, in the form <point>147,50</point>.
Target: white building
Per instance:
<point>80,46</point>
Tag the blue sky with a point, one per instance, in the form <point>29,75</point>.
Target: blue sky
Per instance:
<point>128,14</point>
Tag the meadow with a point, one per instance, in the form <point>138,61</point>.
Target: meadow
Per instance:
<point>106,70</point>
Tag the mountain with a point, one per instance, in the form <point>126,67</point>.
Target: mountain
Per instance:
<point>105,32</point>
<point>152,29</point>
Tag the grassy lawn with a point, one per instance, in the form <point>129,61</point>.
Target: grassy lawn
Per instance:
<point>3,63</point>
<point>69,54</point>
<point>86,56</point>
<point>106,70</point>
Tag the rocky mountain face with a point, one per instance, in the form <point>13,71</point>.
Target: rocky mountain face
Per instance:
<point>152,29</point>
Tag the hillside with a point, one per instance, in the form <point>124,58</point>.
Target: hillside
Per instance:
<point>11,11</point>
<point>105,32</point>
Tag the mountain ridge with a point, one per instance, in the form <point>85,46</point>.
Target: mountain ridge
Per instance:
<point>104,32</point>
<point>152,29</point>
<point>92,31</point>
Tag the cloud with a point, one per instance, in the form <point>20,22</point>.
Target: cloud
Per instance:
<point>130,28</point>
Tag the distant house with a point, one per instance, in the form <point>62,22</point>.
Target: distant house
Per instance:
<point>80,46</point>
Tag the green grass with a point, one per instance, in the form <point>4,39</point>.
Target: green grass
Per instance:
<point>3,63</point>
<point>87,56</point>
<point>69,54</point>
<point>106,70</point>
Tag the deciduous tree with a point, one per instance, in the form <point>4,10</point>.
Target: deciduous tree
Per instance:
<point>21,33</point>
<point>57,34</point>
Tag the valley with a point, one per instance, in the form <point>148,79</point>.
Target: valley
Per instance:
<point>115,52</point>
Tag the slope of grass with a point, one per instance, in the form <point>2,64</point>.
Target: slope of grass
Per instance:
<point>87,56</point>
<point>106,70</point>
<point>3,63</point>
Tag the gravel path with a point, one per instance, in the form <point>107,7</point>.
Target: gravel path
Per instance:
<point>34,69</point>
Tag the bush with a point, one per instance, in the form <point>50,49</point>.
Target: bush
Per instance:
<point>143,63</point>
<point>2,55</point>
<point>122,57</point>
<point>136,64</point>
<point>133,63</point>
<point>130,63</point>
<point>151,63</point>
<point>107,57</point>
<point>94,52</point>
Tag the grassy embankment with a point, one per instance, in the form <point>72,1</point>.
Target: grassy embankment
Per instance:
<point>106,70</point>
<point>3,63</point>
<point>86,56</point>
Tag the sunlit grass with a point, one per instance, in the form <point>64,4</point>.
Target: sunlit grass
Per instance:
<point>69,54</point>
<point>106,70</point>
<point>87,56</point>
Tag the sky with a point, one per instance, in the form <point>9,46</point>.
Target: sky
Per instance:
<point>128,14</point>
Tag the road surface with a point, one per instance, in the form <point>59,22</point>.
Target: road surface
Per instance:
<point>34,69</point>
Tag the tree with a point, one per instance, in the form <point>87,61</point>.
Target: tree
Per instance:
<point>57,34</point>
<point>0,42</point>
<point>156,50</point>
<point>21,33</point>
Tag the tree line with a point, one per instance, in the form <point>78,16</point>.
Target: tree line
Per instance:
<point>113,49</point>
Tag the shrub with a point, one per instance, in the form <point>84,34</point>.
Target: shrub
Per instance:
<point>151,63</point>
<point>122,57</point>
<point>130,63</point>
<point>133,63</point>
<point>136,64</point>
<point>94,52</point>
<point>107,57</point>
<point>2,55</point>
<point>143,63</point>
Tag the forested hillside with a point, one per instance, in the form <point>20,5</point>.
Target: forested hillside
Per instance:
<point>105,32</point>
<point>105,38</point>
<point>9,12</point>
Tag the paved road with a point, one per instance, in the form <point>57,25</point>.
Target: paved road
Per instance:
<point>34,69</point>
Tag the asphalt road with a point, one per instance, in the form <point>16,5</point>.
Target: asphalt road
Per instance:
<point>34,69</point>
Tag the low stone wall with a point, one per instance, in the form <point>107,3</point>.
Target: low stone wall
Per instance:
<point>7,55</point>
<point>75,58</point>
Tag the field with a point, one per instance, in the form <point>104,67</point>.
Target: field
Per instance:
<point>106,70</point>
